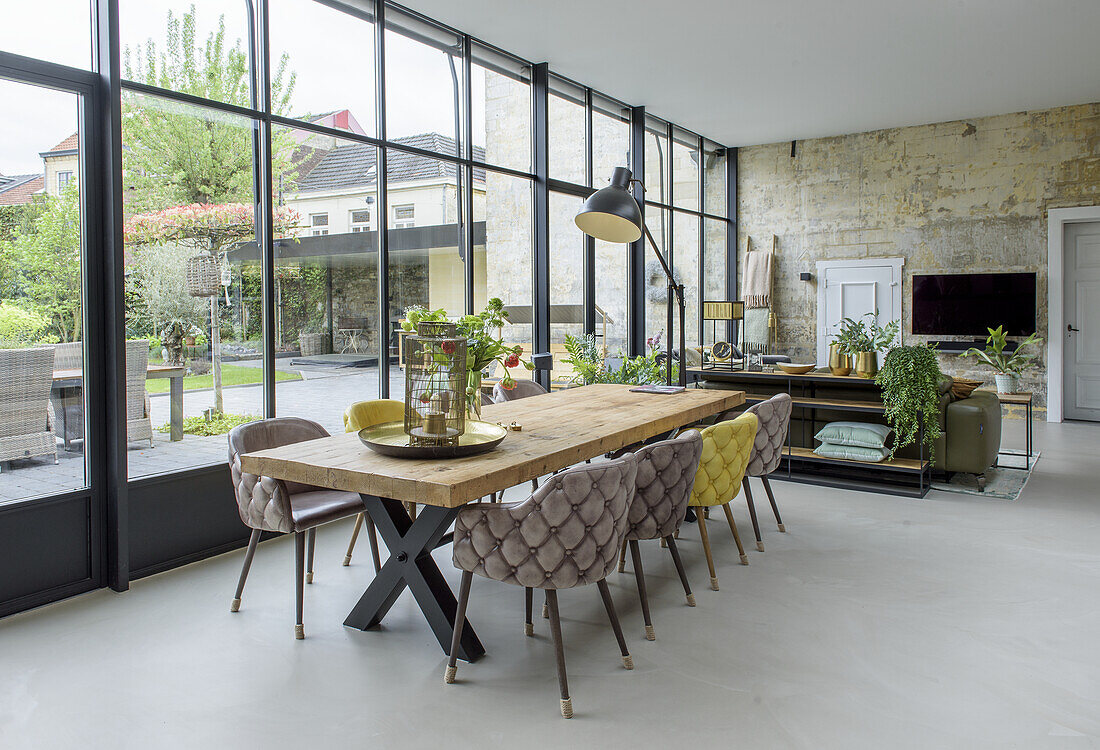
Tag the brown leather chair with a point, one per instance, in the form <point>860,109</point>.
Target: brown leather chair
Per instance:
<point>267,504</point>
<point>774,416</point>
<point>666,474</point>
<point>566,534</point>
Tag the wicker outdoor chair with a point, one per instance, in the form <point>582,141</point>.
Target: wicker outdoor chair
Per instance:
<point>138,424</point>
<point>26,376</point>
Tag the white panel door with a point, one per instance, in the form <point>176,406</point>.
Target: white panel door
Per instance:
<point>1082,314</point>
<point>851,289</point>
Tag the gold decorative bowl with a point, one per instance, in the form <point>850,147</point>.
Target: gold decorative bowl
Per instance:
<point>390,439</point>
<point>793,369</point>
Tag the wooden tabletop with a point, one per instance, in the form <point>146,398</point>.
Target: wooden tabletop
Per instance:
<point>559,429</point>
<point>153,371</point>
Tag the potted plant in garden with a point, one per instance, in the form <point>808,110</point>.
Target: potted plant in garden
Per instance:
<point>864,339</point>
<point>1007,366</point>
<point>589,366</point>
<point>909,380</point>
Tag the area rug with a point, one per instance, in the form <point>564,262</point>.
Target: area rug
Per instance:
<point>1004,482</point>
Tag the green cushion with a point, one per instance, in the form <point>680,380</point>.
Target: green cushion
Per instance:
<point>860,434</point>
<point>854,452</point>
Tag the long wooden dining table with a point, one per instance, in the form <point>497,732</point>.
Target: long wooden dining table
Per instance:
<point>558,430</point>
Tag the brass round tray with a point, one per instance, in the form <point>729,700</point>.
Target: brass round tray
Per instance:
<point>390,439</point>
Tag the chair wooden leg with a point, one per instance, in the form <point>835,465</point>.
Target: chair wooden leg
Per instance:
<point>299,576</point>
<point>372,537</point>
<point>622,558</point>
<point>528,605</point>
<point>702,521</point>
<point>311,544</point>
<point>736,536</point>
<point>609,605</point>
<point>639,575</point>
<point>752,513</point>
<point>771,499</point>
<point>248,555</point>
<point>354,536</point>
<point>559,652</point>
<point>671,542</point>
<point>460,619</point>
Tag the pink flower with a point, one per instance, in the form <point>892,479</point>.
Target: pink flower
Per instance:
<point>508,384</point>
<point>512,361</point>
<point>448,347</point>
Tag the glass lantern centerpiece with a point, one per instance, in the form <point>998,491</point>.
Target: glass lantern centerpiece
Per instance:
<point>435,384</point>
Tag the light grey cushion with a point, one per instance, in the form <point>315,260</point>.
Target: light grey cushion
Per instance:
<point>859,434</point>
<point>853,452</point>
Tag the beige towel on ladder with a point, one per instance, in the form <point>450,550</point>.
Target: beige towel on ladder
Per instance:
<point>756,284</point>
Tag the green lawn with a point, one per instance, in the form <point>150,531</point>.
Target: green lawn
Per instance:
<point>231,375</point>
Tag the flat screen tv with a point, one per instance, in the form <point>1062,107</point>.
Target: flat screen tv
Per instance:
<point>966,304</point>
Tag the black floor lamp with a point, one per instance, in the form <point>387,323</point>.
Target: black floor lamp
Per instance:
<point>611,214</point>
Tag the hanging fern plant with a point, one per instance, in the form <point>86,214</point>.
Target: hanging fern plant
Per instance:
<point>909,380</point>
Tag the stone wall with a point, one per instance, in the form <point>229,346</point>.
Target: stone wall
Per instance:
<point>964,196</point>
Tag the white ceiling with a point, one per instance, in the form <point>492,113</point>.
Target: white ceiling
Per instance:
<point>776,70</point>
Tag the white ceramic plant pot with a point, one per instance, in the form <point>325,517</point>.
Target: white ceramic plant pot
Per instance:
<point>1006,383</point>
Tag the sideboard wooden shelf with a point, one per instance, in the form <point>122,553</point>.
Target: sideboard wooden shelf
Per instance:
<point>818,398</point>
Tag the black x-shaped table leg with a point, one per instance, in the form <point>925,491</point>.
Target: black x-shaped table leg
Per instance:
<point>410,564</point>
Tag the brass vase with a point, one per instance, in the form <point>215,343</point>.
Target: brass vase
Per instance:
<point>866,364</point>
<point>839,363</point>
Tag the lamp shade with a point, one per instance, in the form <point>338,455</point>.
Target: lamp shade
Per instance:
<point>611,214</point>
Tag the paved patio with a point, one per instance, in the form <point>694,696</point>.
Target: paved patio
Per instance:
<point>321,395</point>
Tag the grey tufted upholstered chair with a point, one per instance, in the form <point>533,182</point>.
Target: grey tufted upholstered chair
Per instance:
<point>267,504</point>
<point>523,389</point>
<point>666,474</point>
<point>566,534</point>
<point>775,418</point>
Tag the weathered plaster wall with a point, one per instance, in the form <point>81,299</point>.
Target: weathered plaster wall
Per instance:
<point>964,196</point>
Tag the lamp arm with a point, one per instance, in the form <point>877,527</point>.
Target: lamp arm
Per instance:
<point>657,252</point>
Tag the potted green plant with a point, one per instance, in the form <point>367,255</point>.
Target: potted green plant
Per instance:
<point>863,339</point>
<point>1007,366</point>
<point>909,380</point>
<point>485,345</point>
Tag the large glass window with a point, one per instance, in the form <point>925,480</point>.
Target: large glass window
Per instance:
<point>657,154</point>
<point>610,138</point>
<point>58,31</point>
<point>423,84</point>
<point>568,146</point>
<point>198,48</point>
<point>566,279</point>
<point>500,92</point>
<point>685,170</point>
<point>427,256</point>
<point>714,275</point>
<point>686,267</point>
<point>714,179</point>
<point>323,65</point>
<point>42,362</point>
<point>194,351</point>
<point>326,278</point>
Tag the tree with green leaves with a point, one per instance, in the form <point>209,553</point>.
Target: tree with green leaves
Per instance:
<point>178,154</point>
<point>45,262</point>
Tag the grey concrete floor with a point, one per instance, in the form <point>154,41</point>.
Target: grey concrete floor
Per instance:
<point>875,622</point>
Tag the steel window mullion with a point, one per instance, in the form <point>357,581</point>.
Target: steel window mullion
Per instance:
<point>382,159</point>
<point>468,171</point>
<point>701,286</point>
<point>588,273</point>
<point>259,62</point>
<point>636,316</point>
<point>540,272</point>
<point>732,222</point>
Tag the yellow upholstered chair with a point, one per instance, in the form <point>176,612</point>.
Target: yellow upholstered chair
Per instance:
<point>357,416</point>
<point>727,447</point>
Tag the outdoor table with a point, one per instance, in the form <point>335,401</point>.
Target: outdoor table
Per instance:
<point>558,430</point>
<point>63,380</point>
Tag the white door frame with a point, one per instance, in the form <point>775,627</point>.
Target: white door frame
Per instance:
<point>1057,218</point>
<point>896,264</point>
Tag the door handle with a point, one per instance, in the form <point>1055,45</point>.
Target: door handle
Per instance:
<point>1069,327</point>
